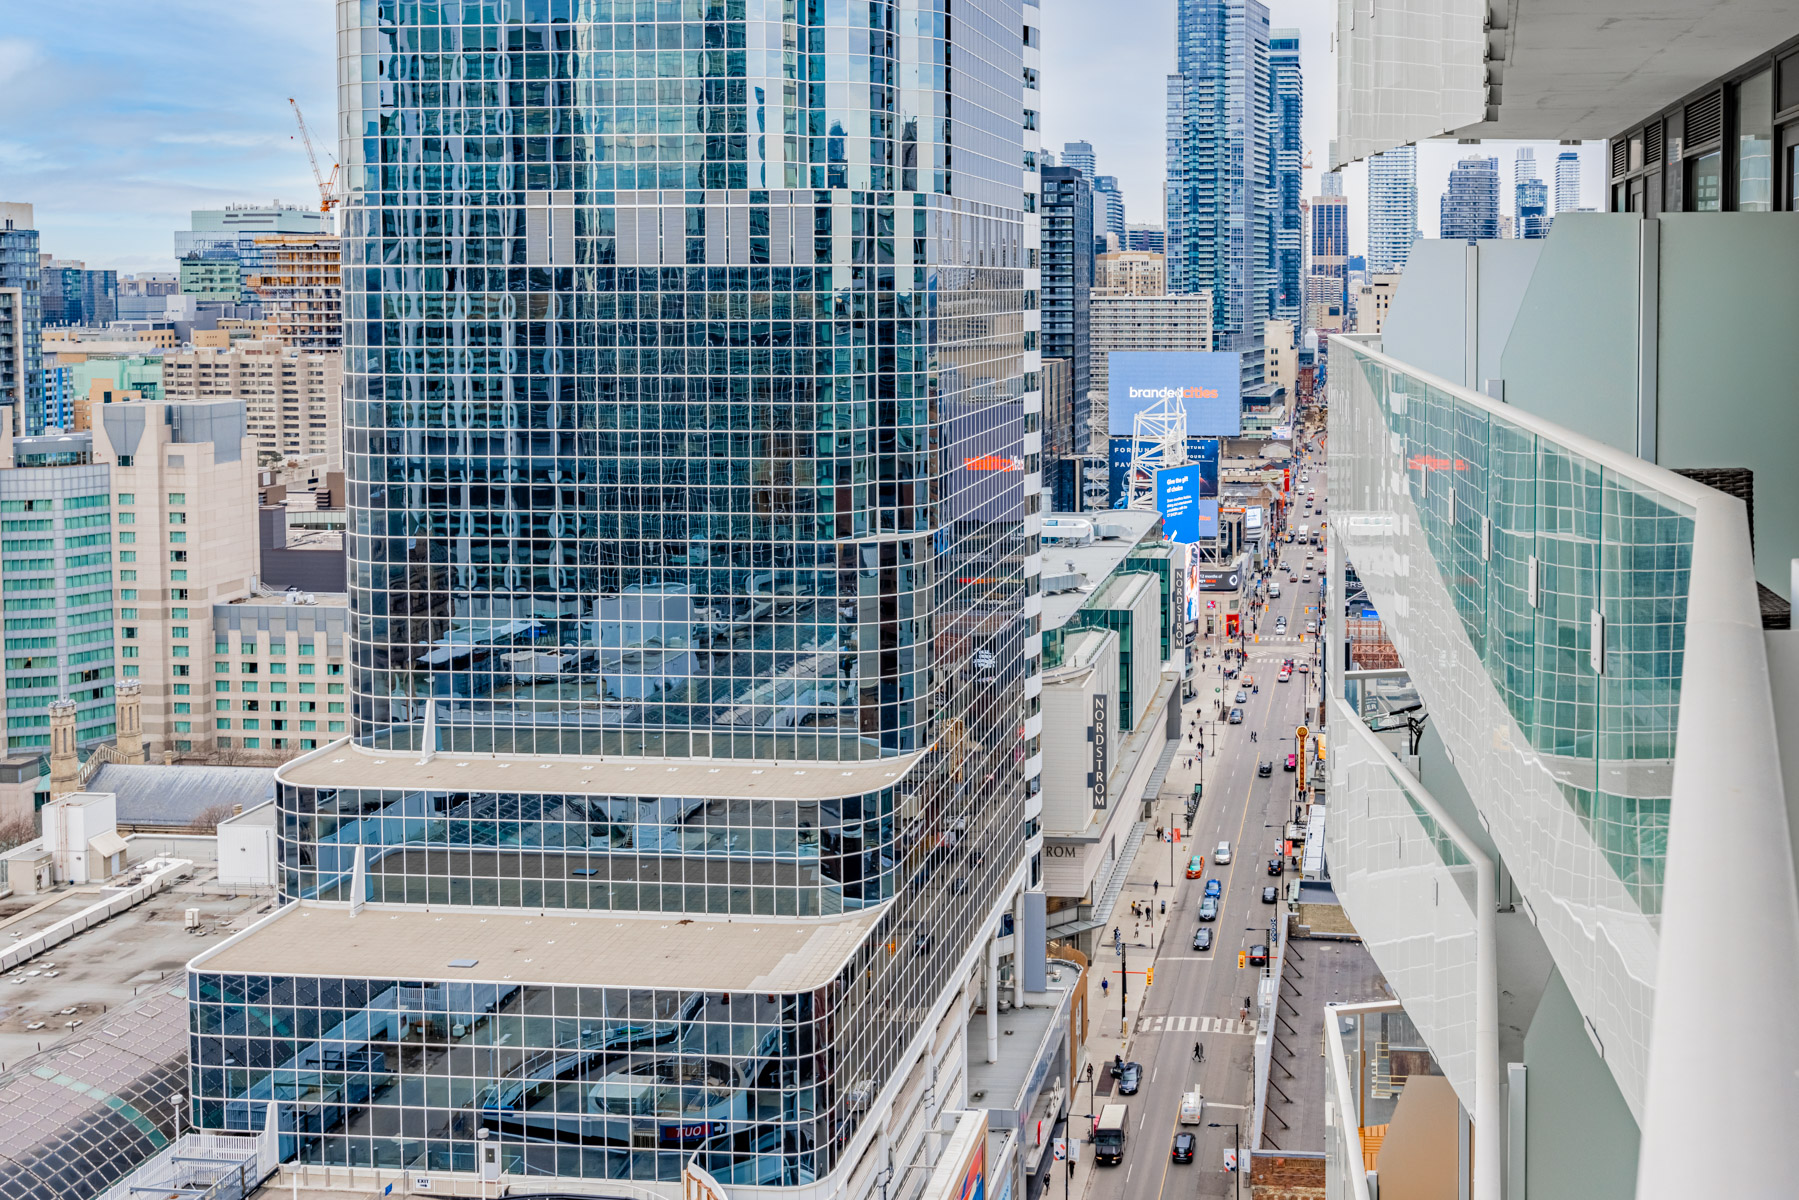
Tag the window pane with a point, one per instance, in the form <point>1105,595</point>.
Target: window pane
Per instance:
<point>1755,143</point>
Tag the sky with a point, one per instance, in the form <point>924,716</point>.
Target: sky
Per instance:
<point>118,117</point>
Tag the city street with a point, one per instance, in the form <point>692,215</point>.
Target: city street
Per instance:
<point>1200,997</point>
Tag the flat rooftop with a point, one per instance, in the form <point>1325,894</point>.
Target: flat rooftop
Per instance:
<point>1336,972</point>
<point>1001,1085</point>
<point>344,764</point>
<point>105,965</point>
<point>592,950</point>
<point>1095,561</point>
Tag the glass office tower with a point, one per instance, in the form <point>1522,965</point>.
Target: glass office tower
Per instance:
<point>689,431</point>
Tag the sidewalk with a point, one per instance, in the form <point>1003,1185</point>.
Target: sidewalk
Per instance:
<point>1108,1035</point>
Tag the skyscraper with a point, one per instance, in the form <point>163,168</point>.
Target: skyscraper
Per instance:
<point>1530,197</point>
<point>1081,157</point>
<point>1286,298</point>
<point>1108,209</point>
<point>1330,255</point>
<point>1567,182</point>
<point>688,560</point>
<point>1067,257</point>
<point>1469,209</point>
<point>21,319</point>
<point>76,295</point>
<point>1392,209</point>
<point>1220,200</point>
<point>1331,183</point>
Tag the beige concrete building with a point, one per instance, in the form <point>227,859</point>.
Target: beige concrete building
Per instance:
<point>293,396</point>
<point>1372,301</point>
<point>1280,355</point>
<point>1141,323</point>
<point>279,676</point>
<point>1130,273</point>
<point>184,484</point>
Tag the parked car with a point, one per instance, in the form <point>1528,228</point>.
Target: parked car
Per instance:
<point>1277,865</point>
<point>1202,938</point>
<point>1311,627</point>
<point>1271,895</point>
<point>1292,763</point>
<point>1196,866</point>
<point>1258,955</point>
<point>1265,768</point>
<point>1130,1079</point>
<point>1214,887</point>
<point>1208,909</point>
<point>1236,716</point>
<point>1183,1147</point>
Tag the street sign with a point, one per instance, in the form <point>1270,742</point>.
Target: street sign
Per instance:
<point>1061,1149</point>
<point>1230,1158</point>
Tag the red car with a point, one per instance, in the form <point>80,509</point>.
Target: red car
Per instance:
<point>1303,668</point>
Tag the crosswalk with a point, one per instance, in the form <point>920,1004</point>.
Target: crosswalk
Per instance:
<point>1164,1023</point>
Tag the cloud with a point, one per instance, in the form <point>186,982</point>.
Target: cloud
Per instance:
<point>17,57</point>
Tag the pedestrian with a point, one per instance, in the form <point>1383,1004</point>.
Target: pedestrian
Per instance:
<point>1104,986</point>
<point>1164,908</point>
<point>1155,886</point>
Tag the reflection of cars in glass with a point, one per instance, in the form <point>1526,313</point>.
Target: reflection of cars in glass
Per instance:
<point>1202,939</point>
<point>1208,909</point>
<point>1130,1079</point>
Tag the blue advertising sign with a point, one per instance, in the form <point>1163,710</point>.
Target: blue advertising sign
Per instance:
<point>1208,383</point>
<point>1369,614</point>
<point>1187,516</point>
<point>1201,452</point>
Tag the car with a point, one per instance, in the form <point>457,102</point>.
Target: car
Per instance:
<point>1277,865</point>
<point>1196,866</point>
<point>1208,909</point>
<point>1258,955</point>
<point>1214,888</point>
<point>1292,577</point>
<point>1274,590</point>
<point>1284,676</point>
<point>1304,668</point>
<point>1236,716</point>
<point>1222,854</point>
<point>1130,1079</point>
<point>1292,763</point>
<point>1242,696</point>
<point>1202,939</point>
<point>1265,768</point>
<point>1311,627</point>
<point>1307,578</point>
<point>1183,1147</point>
<point>1271,895</point>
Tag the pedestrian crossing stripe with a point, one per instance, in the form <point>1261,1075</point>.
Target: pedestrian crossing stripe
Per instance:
<point>1170,1024</point>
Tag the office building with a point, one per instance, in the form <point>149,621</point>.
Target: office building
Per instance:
<point>1148,238</point>
<point>1108,211</point>
<point>1392,208</point>
<point>1331,183</point>
<point>1286,297</point>
<point>292,396</point>
<point>1584,570</point>
<point>280,676</point>
<point>1567,182</point>
<point>21,318</point>
<point>212,253</point>
<point>732,626</point>
<point>57,538</point>
<point>1127,321</point>
<point>1530,197</point>
<point>1469,208</point>
<point>1080,156</point>
<point>1280,346</point>
<point>296,280</point>
<point>1220,192</point>
<point>1130,273</point>
<point>1372,301</point>
<point>74,295</point>
<point>1326,303</point>
<point>1062,459</point>
<point>1330,248</point>
<point>1067,223</point>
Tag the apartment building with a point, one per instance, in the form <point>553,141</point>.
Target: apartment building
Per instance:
<point>293,396</point>
<point>295,278</point>
<point>278,676</point>
<point>1164,322</point>
<point>1130,273</point>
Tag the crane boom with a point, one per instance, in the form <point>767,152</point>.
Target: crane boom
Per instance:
<point>327,184</point>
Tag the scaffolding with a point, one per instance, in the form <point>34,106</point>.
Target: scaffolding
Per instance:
<point>1158,440</point>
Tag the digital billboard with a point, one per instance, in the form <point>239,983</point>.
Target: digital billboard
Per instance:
<point>1208,383</point>
<point>1187,515</point>
<point>1201,451</point>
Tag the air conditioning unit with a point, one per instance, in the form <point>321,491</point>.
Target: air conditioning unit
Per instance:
<point>191,920</point>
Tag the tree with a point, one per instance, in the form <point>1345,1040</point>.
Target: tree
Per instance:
<point>208,819</point>
<point>16,831</point>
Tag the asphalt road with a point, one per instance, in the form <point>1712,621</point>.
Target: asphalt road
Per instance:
<point>1199,997</point>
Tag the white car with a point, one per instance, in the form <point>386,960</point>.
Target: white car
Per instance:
<point>1222,855</point>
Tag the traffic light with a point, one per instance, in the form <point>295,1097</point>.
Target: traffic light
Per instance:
<point>1242,959</point>
<point>1149,977</point>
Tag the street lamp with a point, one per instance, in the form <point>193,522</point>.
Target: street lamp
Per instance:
<point>1236,1134</point>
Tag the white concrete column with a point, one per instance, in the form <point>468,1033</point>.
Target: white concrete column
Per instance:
<point>993,995</point>
<point>1018,996</point>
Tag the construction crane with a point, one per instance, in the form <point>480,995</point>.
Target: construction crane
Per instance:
<point>327,183</point>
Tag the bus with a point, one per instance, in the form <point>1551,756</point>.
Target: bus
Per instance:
<point>1108,1134</point>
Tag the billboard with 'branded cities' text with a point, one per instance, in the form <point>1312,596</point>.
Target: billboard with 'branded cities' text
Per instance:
<point>1208,383</point>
